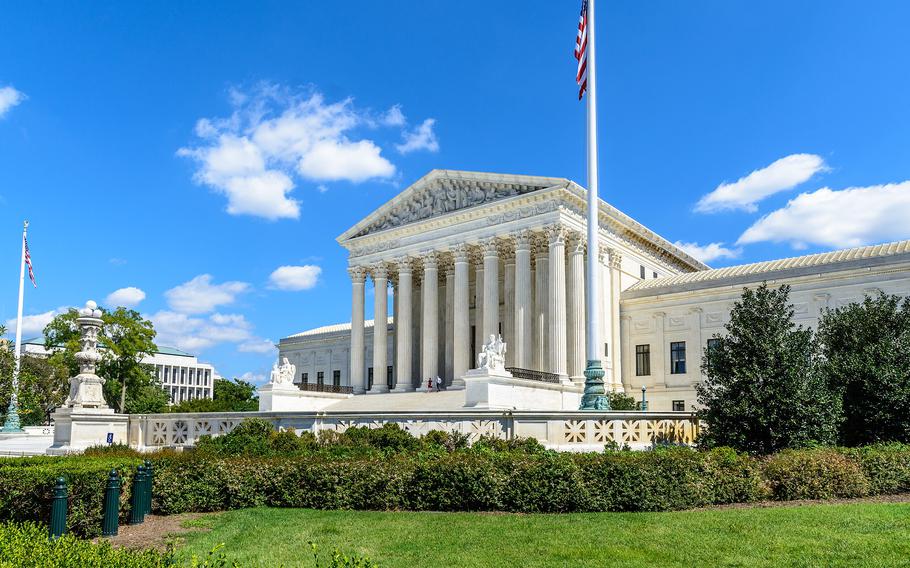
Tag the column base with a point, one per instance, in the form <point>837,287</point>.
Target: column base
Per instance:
<point>384,389</point>
<point>407,388</point>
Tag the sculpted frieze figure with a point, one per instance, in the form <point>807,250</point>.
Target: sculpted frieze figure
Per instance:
<point>283,375</point>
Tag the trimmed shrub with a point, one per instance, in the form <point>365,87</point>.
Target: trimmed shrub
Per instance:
<point>26,488</point>
<point>823,473</point>
<point>886,466</point>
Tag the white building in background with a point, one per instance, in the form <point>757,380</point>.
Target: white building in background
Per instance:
<point>180,373</point>
<point>471,254</point>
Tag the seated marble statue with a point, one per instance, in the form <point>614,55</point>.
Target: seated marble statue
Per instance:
<point>493,354</point>
<point>283,375</point>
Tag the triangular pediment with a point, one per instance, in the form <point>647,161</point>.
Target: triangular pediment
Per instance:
<point>445,191</point>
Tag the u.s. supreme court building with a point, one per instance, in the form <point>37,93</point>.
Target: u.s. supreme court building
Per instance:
<point>467,255</point>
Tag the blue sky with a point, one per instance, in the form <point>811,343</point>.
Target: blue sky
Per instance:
<point>190,150</point>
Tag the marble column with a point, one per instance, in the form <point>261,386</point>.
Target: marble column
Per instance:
<point>358,376</point>
<point>490,289</point>
<point>461,308</point>
<point>403,327</point>
<point>556,236</point>
<point>541,308</point>
<point>660,363</point>
<point>450,326</point>
<point>523,342</point>
<point>380,328</point>
<point>575,316</point>
<point>479,339</point>
<point>508,291</point>
<point>626,356</point>
<point>615,260</point>
<point>697,349</point>
<point>430,319</point>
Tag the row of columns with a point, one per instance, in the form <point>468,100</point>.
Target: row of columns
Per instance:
<point>554,315</point>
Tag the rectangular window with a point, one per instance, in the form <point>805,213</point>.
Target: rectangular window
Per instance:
<point>320,378</point>
<point>336,378</point>
<point>606,350</point>
<point>655,275</point>
<point>678,358</point>
<point>679,405</point>
<point>370,378</point>
<point>389,377</point>
<point>642,360</point>
<point>642,272</point>
<point>713,342</point>
<point>304,378</point>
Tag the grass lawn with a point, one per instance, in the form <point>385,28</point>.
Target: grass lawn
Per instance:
<point>854,534</point>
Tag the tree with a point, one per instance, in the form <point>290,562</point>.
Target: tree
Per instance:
<point>763,389</point>
<point>42,384</point>
<point>125,339</point>
<point>228,396</point>
<point>866,359</point>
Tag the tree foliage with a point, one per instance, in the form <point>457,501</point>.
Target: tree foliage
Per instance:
<point>228,396</point>
<point>43,384</point>
<point>125,339</point>
<point>763,389</point>
<point>866,359</point>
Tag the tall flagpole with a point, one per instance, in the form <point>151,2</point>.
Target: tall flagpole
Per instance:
<point>12,423</point>
<point>594,395</point>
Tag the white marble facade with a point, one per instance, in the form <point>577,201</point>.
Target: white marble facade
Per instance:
<point>464,255</point>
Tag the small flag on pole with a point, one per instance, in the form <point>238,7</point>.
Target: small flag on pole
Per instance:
<point>28,262</point>
<point>581,50</point>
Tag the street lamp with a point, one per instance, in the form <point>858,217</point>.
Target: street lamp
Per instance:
<point>644,401</point>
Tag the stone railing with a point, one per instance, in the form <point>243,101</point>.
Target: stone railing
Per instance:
<point>562,430</point>
<point>316,387</point>
<point>532,375</point>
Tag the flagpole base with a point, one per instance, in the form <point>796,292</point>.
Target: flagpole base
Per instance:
<point>594,397</point>
<point>12,423</point>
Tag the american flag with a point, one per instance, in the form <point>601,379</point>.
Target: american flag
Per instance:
<point>581,50</point>
<point>28,262</point>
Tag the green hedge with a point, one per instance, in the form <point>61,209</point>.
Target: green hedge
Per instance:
<point>459,480</point>
<point>27,484</point>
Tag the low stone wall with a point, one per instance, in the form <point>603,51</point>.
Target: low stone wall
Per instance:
<point>562,430</point>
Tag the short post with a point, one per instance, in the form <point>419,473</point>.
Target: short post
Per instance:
<point>644,401</point>
<point>111,520</point>
<point>137,497</point>
<point>58,509</point>
<point>149,482</point>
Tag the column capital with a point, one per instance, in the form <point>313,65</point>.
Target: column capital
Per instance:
<point>507,249</point>
<point>358,274</point>
<point>430,260</point>
<point>660,315</point>
<point>404,264</point>
<point>490,247</point>
<point>460,252</point>
<point>523,239</point>
<point>615,258</point>
<point>556,234</point>
<point>379,271</point>
<point>577,242</point>
<point>696,310</point>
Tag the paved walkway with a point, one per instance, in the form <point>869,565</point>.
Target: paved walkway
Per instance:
<point>25,445</point>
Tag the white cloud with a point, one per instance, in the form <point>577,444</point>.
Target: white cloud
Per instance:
<point>195,334</point>
<point>421,138</point>
<point>274,137</point>
<point>254,378</point>
<point>851,217</point>
<point>786,173</point>
<point>707,253</point>
<point>10,97</point>
<point>199,295</point>
<point>128,297</point>
<point>265,346</point>
<point>295,277</point>
<point>33,324</point>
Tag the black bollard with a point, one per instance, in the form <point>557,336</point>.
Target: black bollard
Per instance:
<point>137,498</point>
<point>149,483</point>
<point>58,509</point>
<point>111,520</point>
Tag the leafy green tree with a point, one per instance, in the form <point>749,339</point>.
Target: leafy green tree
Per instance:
<point>43,385</point>
<point>622,401</point>
<point>126,338</point>
<point>227,396</point>
<point>763,389</point>
<point>866,359</point>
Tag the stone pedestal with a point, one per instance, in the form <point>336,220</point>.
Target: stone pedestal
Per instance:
<point>280,398</point>
<point>499,390</point>
<point>77,429</point>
